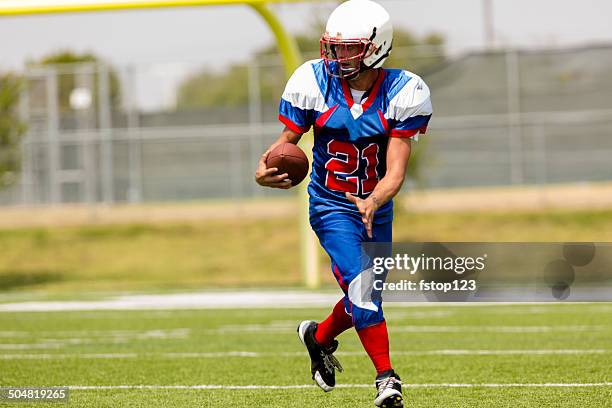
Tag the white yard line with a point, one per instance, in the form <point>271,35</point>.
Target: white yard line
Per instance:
<point>418,314</point>
<point>496,329</point>
<point>55,340</point>
<point>27,346</point>
<point>85,333</point>
<point>253,354</point>
<point>45,340</point>
<point>204,300</point>
<point>263,299</point>
<point>308,386</point>
<point>42,356</point>
<point>274,329</point>
<point>122,336</point>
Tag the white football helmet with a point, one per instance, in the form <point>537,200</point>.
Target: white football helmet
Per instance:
<point>358,36</point>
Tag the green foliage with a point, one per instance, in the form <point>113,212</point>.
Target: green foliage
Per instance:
<point>418,158</point>
<point>229,88</point>
<point>11,128</point>
<point>416,54</point>
<point>208,89</point>
<point>67,82</point>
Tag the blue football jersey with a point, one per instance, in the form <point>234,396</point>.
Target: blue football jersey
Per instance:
<point>350,139</point>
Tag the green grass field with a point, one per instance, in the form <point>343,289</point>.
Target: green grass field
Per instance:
<point>528,355</point>
<point>500,353</point>
<point>263,252</point>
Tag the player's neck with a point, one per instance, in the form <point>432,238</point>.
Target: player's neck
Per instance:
<point>365,80</point>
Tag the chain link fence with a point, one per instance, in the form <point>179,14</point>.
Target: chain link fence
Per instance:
<point>103,135</point>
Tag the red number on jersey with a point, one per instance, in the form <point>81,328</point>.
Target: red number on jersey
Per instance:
<point>346,162</point>
<point>370,153</point>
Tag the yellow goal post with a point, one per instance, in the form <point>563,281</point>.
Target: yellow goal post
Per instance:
<point>286,44</point>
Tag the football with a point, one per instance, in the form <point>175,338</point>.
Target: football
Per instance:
<point>290,159</point>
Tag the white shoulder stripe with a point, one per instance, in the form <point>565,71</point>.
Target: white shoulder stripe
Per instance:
<point>412,100</point>
<point>302,90</point>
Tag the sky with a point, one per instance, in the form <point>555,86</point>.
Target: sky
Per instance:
<point>177,40</point>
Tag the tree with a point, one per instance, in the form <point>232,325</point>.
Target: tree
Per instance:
<point>11,128</point>
<point>67,82</point>
<point>414,54</point>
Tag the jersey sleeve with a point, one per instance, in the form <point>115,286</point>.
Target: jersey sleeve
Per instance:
<point>300,99</point>
<point>410,110</point>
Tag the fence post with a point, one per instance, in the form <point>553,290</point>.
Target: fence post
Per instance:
<point>540,155</point>
<point>515,135</point>
<point>52,135</point>
<point>26,178</point>
<point>234,150</point>
<point>255,120</point>
<point>84,74</point>
<point>134,193</point>
<point>105,131</point>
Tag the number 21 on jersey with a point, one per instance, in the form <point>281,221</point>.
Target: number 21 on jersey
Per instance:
<point>345,162</point>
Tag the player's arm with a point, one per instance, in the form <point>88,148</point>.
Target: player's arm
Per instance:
<point>296,111</point>
<point>267,177</point>
<point>398,153</point>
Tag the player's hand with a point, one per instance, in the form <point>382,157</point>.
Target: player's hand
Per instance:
<point>367,208</point>
<point>267,177</point>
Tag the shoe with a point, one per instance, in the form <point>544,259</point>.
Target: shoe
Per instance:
<point>322,361</point>
<point>389,390</point>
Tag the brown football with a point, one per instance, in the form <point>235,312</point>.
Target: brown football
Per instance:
<point>290,159</point>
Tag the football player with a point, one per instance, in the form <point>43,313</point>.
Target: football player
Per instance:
<point>364,117</point>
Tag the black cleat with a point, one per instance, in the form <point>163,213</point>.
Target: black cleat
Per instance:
<point>322,361</point>
<point>389,390</point>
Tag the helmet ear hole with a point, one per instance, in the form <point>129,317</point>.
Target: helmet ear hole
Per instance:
<point>381,47</point>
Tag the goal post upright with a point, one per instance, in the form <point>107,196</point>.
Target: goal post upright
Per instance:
<point>292,59</point>
<point>288,49</point>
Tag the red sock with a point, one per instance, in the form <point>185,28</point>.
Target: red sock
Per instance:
<point>337,322</point>
<point>375,340</point>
